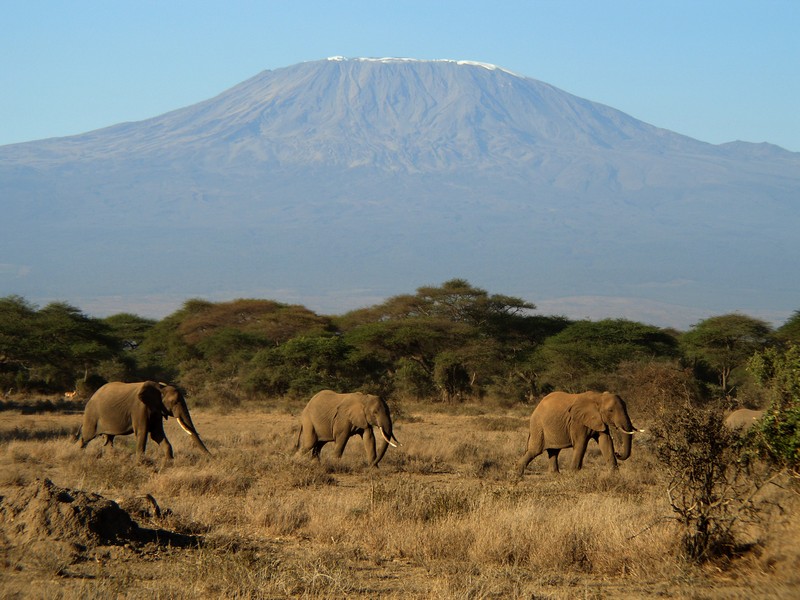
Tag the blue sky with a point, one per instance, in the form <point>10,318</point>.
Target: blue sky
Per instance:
<point>716,71</point>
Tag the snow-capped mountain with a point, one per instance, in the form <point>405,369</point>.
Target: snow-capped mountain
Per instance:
<point>381,175</point>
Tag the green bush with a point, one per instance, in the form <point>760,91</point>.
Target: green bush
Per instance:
<point>777,436</point>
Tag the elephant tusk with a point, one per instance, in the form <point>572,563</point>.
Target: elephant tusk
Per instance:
<point>388,441</point>
<point>632,432</point>
<point>185,428</point>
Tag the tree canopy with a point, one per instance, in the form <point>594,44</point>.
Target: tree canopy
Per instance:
<point>52,347</point>
<point>724,343</point>
<point>444,343</point>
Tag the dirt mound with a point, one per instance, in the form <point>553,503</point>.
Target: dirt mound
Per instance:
<point>43,511</point>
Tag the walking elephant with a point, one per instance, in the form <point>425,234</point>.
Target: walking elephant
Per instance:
<point>138,408</point>
<point>564,420</point>
<point>743,419</point>
<point>332,417</point>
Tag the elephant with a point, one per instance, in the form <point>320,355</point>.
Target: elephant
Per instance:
<point>743,419</point>
<point>123,408</point>
<point>332,417</point>
<point>563,420</point>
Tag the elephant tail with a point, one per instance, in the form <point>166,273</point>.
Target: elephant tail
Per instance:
<point>299,434</point>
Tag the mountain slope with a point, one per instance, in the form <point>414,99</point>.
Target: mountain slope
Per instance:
<point>329,177</point>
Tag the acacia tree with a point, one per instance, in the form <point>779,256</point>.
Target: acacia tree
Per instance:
<point>392,347</point>
<point>203,342</point>
<point>302,366</point>
<point>72,341</point>
<point>129,329</point>
<point>51,347</point>
<point>724,343</point>
<point>585,353</point>
<point>453,338</point>
<point>789,332</point>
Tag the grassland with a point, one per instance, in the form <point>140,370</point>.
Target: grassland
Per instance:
<point>443,516</point>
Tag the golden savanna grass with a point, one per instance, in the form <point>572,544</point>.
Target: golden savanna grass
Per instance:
<point>443,517</point>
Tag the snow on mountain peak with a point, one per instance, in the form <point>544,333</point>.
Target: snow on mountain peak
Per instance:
<point>470,63</point>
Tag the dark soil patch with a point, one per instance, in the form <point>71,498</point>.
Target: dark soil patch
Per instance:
<point>42,521</point>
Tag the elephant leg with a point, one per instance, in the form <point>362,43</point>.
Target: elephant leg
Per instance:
<point>607,448</point>
<point>578,452</point>
<point>316,449</point>
<point>159,437</point>
<point>87,433</point>
<point>535,448</point>
<point>526,459</point>
<point>552,455</point>
<point>340,444</point>
<point>383,445</point>
<point>141,441</point>
<point>369,446</point>
<point>308,441</point>
<point>109,440</point>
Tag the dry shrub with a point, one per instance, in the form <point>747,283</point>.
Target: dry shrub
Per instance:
<point>23,433</point>
<point>465,452</point>
<point>780,543</point>
<point>653,387</point>
<point>282,516</point>
<point>200,483</point>
<point>590,534</point>
<point>227,571</point>
<point>14,475</point>
<point>426,453</point>
<point>408,500</point>
<point>446,540</point>
<point>325,575</point>
<point>309,475</point>
<point>710,492</point>
<point>102,469</point>
<point>501,423</point>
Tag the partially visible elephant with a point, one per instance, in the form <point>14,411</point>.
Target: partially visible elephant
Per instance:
<point>138,408</point>
<point>332,417</point>
<point>743,419</point>
<point>562,420</point>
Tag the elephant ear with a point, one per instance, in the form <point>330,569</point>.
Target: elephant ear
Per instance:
<point>355,412</point>
<point>586,412</point>
<point>150,395</point>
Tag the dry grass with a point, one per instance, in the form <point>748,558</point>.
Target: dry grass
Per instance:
<point>443,517</point>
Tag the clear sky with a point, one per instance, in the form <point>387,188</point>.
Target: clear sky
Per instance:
<point>716,70</point>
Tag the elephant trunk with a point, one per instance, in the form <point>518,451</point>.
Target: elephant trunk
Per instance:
<point>627,442</point>
<point>386,439</point>
<point>628,430</point>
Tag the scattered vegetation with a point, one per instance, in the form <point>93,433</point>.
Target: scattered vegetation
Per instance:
<point>442,517</point>
<point>696,512</point>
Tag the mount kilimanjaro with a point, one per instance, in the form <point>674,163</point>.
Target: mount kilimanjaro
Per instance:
<point>336,183</point>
